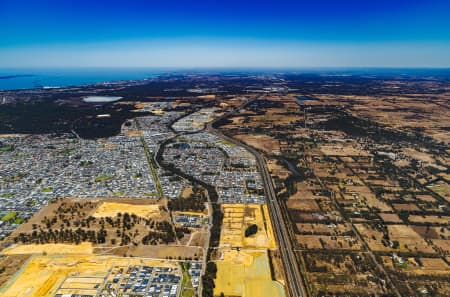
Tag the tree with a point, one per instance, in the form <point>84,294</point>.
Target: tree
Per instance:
<point>395,244</point>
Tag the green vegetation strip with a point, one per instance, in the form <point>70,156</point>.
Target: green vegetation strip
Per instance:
<point>187,290</point>
<point>18,221</point>
<point>8,195</point>
<point>9,216</point>
<point>152,166</point>
<point>103,178</point>
<point>6,148</point>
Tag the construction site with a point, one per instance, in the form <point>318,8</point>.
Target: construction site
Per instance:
<point>244,266</point>
<point>54,263</point>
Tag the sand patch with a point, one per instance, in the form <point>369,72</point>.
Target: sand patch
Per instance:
<point>59,248</point>
<point>246,274</point>
<point>111,209</point>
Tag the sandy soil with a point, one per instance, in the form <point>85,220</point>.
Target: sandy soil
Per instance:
<point>237,217</point>
<point>246,274</point>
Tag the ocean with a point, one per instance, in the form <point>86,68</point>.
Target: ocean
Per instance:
<point>13,79</point>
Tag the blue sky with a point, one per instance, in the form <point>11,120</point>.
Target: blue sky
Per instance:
<point>169,33</point>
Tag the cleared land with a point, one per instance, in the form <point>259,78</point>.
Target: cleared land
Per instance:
<point>111,209</point>
<point>110,226</point>
<point>262,142</point>
<point>238,217</point>
<point>246,274</point>
<point>10,264</point>
<point>78,263</point>
<point>42,275</point>
<point>51,248</point>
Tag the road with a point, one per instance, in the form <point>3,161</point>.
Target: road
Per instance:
<point>293,277</point>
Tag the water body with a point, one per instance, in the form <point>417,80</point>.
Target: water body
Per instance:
<point>101,99</point>
<point>301,99</point>
<point>12,79</point>
<point>305,98</point>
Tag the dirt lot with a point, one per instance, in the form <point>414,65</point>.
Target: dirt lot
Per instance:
<point>323,229</point>
<point>406,206</point>
<point>444,220</point>
<point>277,266</point>
<point>373,238</point>
<point>303,204</point>
<point>10,265</point>
<point>341,274</point>
<point>409,239</point>
<point>42,275</point>
<point>166,252</point>
<point>337,149</point>
<point>276,169</point>
<point>328,242</point>
<point>111,209</point>
<point>390,218</point>
<point>443,245</point>
<point>238,217</point>
<point>432,232</point>
<point>441,188</point>
<point>419,266</point>
<point>50,249</point>
<point>246,274</point>
<point>412,275</point>
<point>262,142</point>
<point>111,226</point>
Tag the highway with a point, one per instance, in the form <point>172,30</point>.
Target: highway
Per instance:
<point>292,273</point>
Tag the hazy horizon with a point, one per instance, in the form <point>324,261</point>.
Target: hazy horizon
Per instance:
<point>228,34</point>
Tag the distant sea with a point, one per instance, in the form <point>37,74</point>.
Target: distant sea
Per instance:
<point>12,79</point>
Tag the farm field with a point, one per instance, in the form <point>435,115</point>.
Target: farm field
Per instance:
<point>355,180</point>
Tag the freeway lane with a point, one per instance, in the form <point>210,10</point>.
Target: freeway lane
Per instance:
<point>293,277</point>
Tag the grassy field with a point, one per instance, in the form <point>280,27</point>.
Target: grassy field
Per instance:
<point>186,285</point>
<point>9,216</point>
<point>152,167</point>
<point>8,195</point>
<point>102,178</point>
<point>6,148</point>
